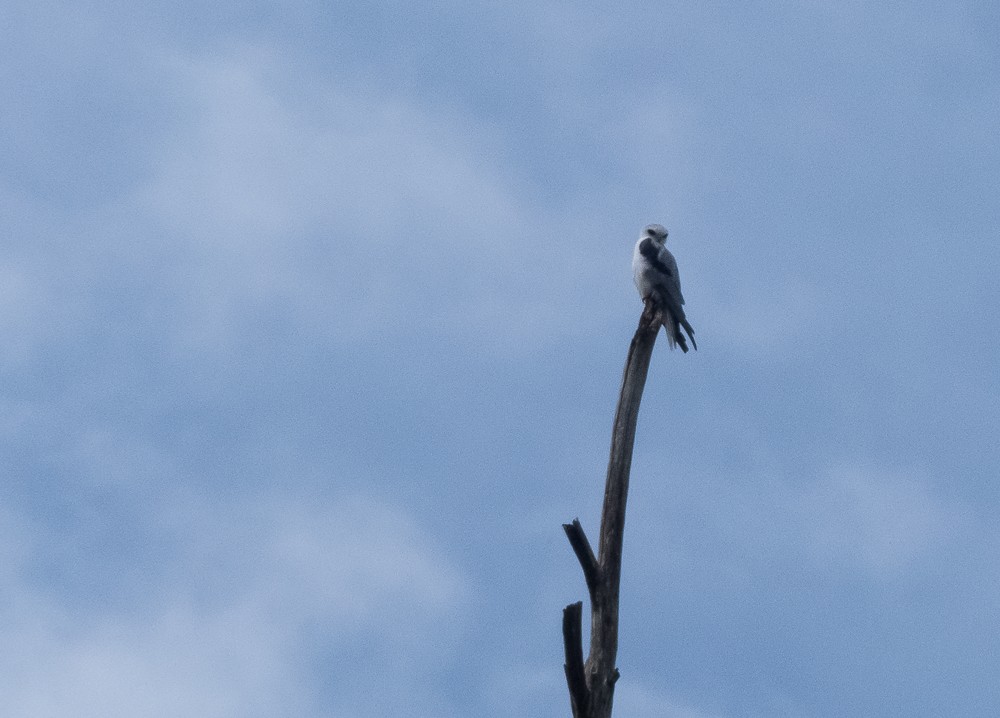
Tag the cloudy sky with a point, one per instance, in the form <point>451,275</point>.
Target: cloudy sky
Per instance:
<point>312,319</point>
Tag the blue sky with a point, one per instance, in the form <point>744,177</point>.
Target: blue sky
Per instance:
<point>312,318</point>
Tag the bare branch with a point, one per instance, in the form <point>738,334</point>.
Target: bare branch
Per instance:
<point>579,696</point>
<point>603,573</point>
<point>585,554</point>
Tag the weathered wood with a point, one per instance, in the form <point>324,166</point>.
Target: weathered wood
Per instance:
<point>585,554</point>
<point>573,644</point>
<point>604,577</point>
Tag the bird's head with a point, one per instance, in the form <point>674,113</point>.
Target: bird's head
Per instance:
<point>657,232</point>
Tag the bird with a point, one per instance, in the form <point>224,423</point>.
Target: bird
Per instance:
<point>655,272</point>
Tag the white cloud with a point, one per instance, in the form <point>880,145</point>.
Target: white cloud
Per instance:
<point>353,209</point>
<point>230,627</point>
<point>876,519</point>
<point>853,520</point>
<point>165,665</point>
<point>265,189</point>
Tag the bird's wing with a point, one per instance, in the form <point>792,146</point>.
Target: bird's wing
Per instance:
<point>669,279</point>
<point>654,256</point>
<point>672,289</point>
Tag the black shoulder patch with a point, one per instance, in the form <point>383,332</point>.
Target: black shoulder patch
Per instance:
<point>649,250</point>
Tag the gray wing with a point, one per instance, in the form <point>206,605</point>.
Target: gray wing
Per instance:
<point>669,280</point>
<point>668,287</point>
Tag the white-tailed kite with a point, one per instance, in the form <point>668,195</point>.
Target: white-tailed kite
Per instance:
<point>655,271</point>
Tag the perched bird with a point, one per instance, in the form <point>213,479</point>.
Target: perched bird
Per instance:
<point>656,278</point>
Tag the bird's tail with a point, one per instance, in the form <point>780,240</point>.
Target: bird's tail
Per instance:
<point>690,332</point>
<point>672,318</point>
<point>673,329</point>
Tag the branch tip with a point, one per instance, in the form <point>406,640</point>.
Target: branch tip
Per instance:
<point>584,554</point>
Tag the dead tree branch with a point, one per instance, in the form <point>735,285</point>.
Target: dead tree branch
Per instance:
<point>594,698</point>
<point>585,554</point>
<point>575,676</point>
